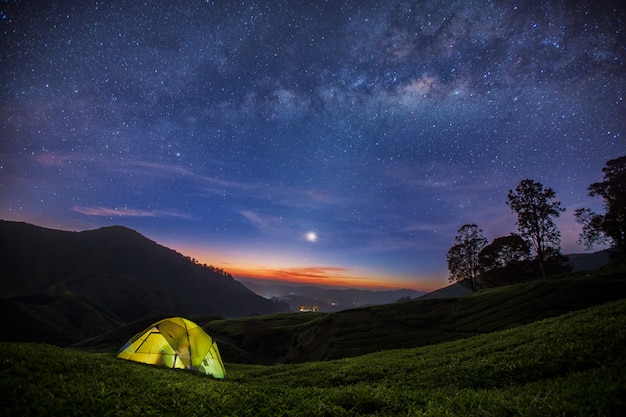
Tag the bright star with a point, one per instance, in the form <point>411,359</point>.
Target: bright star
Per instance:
<point>311,237</point>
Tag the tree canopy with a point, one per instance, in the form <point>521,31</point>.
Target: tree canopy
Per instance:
<point>536,212</point>
<point>504,261</point>
<point>610,227</point>
<point>462,258</point>
<point>508,258</point>
<point>502,251</point>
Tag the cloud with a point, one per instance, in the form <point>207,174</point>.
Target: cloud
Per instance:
<point>77,165</point>
<point>313,272</point>
<point>126,212</point>
<point>207,183</point>
<point>270,225</point>
<point>294,197</point>
<point>325,275</point>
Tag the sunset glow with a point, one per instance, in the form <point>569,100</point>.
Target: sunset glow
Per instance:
<point>279,268</point>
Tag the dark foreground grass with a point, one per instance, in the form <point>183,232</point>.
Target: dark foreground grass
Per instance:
<point>571,365</point>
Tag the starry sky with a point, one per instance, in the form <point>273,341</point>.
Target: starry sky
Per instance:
<point>326,142</point>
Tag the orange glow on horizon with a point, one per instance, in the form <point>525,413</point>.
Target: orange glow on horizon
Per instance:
<point>282,268</point>
<point>316,275</point>
<point>325,276</point>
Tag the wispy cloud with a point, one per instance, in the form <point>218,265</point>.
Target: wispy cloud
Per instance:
<point>270,225</point>
<point>127,212</point>
<point>320,275</point>
<point>85,165</point>
<point>325,275</point>
<point>307,273</point>
<point>286,196</point>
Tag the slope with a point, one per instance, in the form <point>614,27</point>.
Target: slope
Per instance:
<point>568,365</point>
<point>304,337</point>
<point>53,318</point>
<point>121,270</point>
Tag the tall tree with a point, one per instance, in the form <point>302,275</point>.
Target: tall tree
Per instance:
<point>610,227</point>
<point>536,212</point>
<point>593,223</point>
<point>463,256</point>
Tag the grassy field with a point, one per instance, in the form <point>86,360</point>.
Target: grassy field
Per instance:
<point>571,365</point>
<point>302,337</point>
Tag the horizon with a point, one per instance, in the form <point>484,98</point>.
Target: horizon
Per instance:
<point>315,276</point>
<point>341,144</point>
<point>334,284</point>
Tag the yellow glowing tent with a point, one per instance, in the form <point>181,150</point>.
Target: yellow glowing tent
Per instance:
<point>175,343</point>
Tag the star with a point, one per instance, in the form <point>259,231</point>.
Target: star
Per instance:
<point>221,130</point>
<point>311,236</point>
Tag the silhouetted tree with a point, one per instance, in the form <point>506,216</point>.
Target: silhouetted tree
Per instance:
<point>502,251</point>
<point>592,228</point>
<point>504,260</point>
<point>463,256</point>
<point>536,211</point>
<point>610,227</point>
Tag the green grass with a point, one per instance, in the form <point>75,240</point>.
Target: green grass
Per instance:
<point>571,365</point>
<point>302,337</point>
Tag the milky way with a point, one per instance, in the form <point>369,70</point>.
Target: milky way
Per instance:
<point>331,141</point>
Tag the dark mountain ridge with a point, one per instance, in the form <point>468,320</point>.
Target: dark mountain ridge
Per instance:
<point>122,271</point>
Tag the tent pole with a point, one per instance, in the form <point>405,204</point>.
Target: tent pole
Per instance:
<point>188,344</point>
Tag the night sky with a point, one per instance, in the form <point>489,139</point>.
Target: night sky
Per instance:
<point>334,142</point>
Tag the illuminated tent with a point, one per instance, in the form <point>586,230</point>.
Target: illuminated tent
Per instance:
<point>175,343</point>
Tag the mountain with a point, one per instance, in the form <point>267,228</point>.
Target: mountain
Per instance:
<point>121,271</point>
<point>327,299</point>
<point>589,261</point>
<point>453,290</point>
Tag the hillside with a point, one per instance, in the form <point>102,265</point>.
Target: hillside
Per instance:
<point>304,337</point>
<point>571,365</point>
<point>452,290</point>
<point>53,318</point>
<point>121,271</point>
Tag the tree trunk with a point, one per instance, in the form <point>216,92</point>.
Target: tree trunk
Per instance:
<point>540,255</point>
<point>543,271</point>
